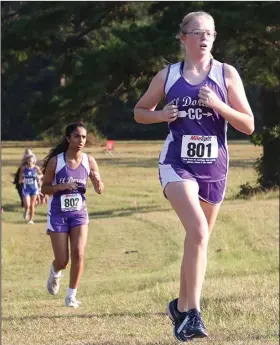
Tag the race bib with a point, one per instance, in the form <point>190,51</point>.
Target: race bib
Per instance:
<point>71,202</point>
<point>199,149</point>
<point>28,180</point>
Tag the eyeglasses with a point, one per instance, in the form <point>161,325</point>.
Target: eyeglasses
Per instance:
<point>199,33</point>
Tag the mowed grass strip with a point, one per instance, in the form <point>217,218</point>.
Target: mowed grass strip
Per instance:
<point>133,258</point>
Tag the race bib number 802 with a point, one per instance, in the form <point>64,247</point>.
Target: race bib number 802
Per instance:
<point>199,149</point>
<point>71,202</point>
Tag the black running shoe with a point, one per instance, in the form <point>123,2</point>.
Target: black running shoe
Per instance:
<point>192,326</point>
<point>177,319</point>
<point>172,310</point>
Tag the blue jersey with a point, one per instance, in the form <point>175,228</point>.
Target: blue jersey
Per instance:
<point>69,202</point>
<point>197,139</point>
<point>30,178</point>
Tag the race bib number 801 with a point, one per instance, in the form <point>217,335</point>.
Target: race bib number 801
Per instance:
<point>71,202</point>
<point>199,149</point>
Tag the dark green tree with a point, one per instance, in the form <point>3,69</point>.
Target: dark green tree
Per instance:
<point>254,47</point>
<point>91,61</point>
<point>82,43</point>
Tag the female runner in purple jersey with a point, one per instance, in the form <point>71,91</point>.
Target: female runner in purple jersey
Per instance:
<point>202,96</point>
<point>66,171</point>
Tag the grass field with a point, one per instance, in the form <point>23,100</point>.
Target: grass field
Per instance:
<point>133,257</point>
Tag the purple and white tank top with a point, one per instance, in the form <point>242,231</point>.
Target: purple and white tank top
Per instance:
<point>69,202</point>
<point>197,139</point>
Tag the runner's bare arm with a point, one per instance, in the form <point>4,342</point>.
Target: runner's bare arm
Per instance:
<point>94,176</point>
<point>144,111</point>
<point>39,172</point>
<point>239,115</point>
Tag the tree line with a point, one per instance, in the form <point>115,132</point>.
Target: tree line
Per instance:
<point>91,61</point>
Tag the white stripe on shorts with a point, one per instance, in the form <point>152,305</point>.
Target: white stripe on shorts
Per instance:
<point>168,174</point>
<point>49,226</point>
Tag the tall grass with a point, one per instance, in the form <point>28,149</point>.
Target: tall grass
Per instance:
<point>133,257</point>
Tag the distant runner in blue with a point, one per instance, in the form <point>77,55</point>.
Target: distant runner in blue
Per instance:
<point>203,95</point>
<point>27,153</point>
<point>29,175</point>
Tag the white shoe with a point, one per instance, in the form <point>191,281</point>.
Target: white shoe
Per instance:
<point>31,222</point>
<point>72,302</point>
<point>25,215</point>
<point>53,283</point>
